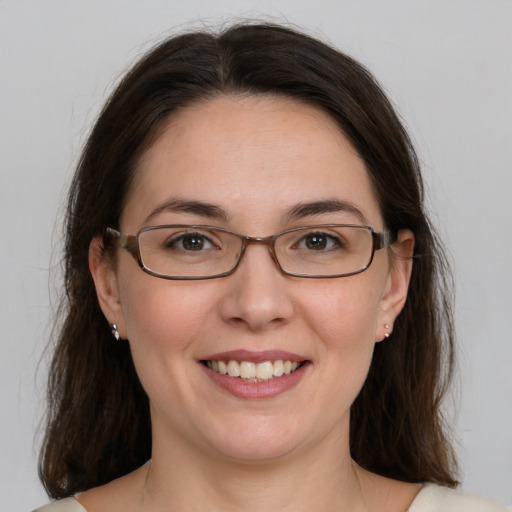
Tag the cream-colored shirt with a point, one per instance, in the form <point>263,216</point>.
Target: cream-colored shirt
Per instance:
<point>431,498</point>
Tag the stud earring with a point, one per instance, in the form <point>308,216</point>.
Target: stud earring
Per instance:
<point>115,332</point>
<point>387,327</point>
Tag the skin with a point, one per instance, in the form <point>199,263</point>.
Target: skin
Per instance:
<point>255,158</point>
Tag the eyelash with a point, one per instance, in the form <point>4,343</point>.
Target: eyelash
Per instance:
<point>176,239</point>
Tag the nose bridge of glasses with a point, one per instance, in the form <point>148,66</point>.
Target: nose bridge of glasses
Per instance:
<point>257,240</point>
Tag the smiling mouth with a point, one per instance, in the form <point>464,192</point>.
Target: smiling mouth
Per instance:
<point>254,372</point>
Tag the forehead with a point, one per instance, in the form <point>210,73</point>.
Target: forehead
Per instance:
<point>254,157</point>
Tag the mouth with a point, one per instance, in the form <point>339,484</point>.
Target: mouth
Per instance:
<point>255,375</point>
<point>249,371</point>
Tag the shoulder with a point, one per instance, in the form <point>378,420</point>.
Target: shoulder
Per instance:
<point>65,505</point>
<point>436,498</point>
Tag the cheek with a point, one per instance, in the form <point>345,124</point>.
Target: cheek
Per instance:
<point>344,318</point>
<point>165,323</point>
<point>345,311</point>
<point>164,316</point>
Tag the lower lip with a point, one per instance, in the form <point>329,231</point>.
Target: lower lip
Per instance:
<point>257,390</point>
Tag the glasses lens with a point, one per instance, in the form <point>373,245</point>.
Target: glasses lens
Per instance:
<point>325,250</point>
<point>188,251</point>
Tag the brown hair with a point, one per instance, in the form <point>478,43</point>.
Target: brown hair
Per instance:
<point>98,422</point>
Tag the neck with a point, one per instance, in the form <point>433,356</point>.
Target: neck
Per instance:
<point>323,477</point>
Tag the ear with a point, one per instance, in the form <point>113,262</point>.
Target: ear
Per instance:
<point>397,284</point>
<point>105,281</point>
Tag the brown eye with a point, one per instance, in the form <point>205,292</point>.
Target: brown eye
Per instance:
<point>316,241</point>
<point>192,242</point>
<point>189,242</point>
<point>319,242</point>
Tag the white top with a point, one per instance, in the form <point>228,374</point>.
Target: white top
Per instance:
<point>431,498</point>
<point>436,498</point>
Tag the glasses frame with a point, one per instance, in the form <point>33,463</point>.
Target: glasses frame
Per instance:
<point>131,244</point>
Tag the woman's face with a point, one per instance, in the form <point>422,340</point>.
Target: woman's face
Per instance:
<point>248,164</point>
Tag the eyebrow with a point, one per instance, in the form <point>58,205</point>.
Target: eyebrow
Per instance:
<point>299,211</point>
<point>324,206</point>
<point>200,208</point>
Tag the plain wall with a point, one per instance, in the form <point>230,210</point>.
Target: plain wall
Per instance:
<point>447,65</point>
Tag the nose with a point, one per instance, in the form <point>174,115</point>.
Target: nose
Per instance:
<point>258,294</point>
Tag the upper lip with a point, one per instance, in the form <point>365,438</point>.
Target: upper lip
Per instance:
<point>255,357</point>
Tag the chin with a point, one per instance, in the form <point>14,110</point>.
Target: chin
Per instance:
<point>256,440</point>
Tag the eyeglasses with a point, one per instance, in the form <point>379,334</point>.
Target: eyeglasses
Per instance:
<point>181,251</point>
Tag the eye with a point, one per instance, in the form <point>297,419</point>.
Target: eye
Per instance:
<point>190,242</point>
<point>319,242</point>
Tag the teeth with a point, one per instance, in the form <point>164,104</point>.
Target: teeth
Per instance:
<point>278,368</point>
<point>222,367</point>
<point>248,370</point>
<point>233,369</point>
<point>265,370</point>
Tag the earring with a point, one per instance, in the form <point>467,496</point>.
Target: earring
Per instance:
<point>115,332</point>
<point>387,334</point>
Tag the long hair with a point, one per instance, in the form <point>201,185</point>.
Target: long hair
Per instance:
<point>98,422</point>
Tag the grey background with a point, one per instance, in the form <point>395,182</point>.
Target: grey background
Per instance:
<point>447,65</point>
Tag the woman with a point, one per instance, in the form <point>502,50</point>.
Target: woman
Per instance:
<point>257,314</point>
